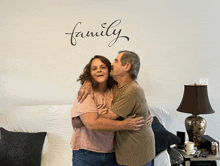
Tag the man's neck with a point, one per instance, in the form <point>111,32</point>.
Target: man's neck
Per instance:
<point>123,80</point>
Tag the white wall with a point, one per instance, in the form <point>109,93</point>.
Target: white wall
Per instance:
<point>178,43</point>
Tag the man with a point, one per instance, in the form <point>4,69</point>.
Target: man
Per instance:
<point>133,148</point>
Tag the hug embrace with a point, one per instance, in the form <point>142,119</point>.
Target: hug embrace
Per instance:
<point>110,115</point>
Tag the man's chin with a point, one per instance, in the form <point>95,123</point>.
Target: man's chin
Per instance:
<point>111,74</point>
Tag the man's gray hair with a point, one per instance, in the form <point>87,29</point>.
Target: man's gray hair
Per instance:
<point>134,60</point>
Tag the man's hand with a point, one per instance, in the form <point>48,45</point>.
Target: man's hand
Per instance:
<point>77,123</point>
<point>132,123</point>
<point>84,91</point>
<point>149,119</point>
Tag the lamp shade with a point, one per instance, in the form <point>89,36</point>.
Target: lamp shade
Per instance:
<point>195,100</point>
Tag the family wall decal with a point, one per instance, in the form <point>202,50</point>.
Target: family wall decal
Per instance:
<point>107,30</point>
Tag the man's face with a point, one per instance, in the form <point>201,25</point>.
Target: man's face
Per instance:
<point>117,68</point>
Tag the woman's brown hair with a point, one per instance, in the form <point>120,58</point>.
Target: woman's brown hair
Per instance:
<point>86,75</point>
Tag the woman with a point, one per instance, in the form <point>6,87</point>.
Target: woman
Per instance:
<point>89,146</point>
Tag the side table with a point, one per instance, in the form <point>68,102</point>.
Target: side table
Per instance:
<point>189,158</point>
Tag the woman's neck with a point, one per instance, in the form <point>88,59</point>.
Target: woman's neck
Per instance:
<point>102,87</point>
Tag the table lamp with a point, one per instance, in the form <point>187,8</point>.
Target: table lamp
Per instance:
<point>195,101</point>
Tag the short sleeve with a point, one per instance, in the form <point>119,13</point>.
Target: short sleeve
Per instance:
<point>124,105</point>
<point>87,106</point>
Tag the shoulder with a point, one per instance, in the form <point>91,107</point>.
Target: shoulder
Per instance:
<point>133,88</point>
<point>135,91</point>
<point>129,89</point>
<point>88,105</point>
<point>88,102</point>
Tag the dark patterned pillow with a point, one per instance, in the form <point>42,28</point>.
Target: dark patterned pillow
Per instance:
<point>163,138</point>
<point>21,148</point>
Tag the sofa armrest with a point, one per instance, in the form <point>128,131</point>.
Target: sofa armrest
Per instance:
<point>176,158</point>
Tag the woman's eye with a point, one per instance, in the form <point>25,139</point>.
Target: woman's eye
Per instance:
<point>103,67</point>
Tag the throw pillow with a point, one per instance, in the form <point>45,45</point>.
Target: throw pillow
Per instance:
<point>21,148</point>
<point>163,138</point>
<point>160,113</point>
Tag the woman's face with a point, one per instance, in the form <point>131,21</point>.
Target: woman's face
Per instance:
<point>99,71</point>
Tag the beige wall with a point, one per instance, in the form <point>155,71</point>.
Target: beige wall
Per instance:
<point>178,43</point>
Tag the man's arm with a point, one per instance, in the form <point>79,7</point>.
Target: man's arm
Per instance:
<point>84,91</point>
<point>77,123</point>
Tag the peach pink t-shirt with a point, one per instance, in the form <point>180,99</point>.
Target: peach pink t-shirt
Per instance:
<point>84,138</point>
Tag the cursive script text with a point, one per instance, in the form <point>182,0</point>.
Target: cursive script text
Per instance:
<point>106,31</point>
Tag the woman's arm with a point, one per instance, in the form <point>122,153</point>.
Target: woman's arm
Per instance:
<point>77,122</point>
<point>109,115</point>
<point>92,121</point>
<point>113,116</point>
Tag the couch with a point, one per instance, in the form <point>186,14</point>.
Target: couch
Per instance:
<point>41,134</point>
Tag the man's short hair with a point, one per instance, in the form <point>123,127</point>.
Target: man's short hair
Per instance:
<point>134,60</point>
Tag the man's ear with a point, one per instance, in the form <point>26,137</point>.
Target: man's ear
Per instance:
<point>127,67</point>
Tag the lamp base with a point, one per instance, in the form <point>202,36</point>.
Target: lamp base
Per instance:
<point>195,127</point>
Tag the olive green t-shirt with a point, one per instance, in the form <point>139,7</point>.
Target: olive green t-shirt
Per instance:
<point>133,148</point>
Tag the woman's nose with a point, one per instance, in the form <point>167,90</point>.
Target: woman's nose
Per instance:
<point>99,69</point>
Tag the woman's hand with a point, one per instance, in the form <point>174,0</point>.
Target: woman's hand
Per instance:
<point>132,123</point>
<point>149,119</point>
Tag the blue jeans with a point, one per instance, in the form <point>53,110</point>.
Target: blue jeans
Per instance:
<point>88,158</point>
<point>151,163</point>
